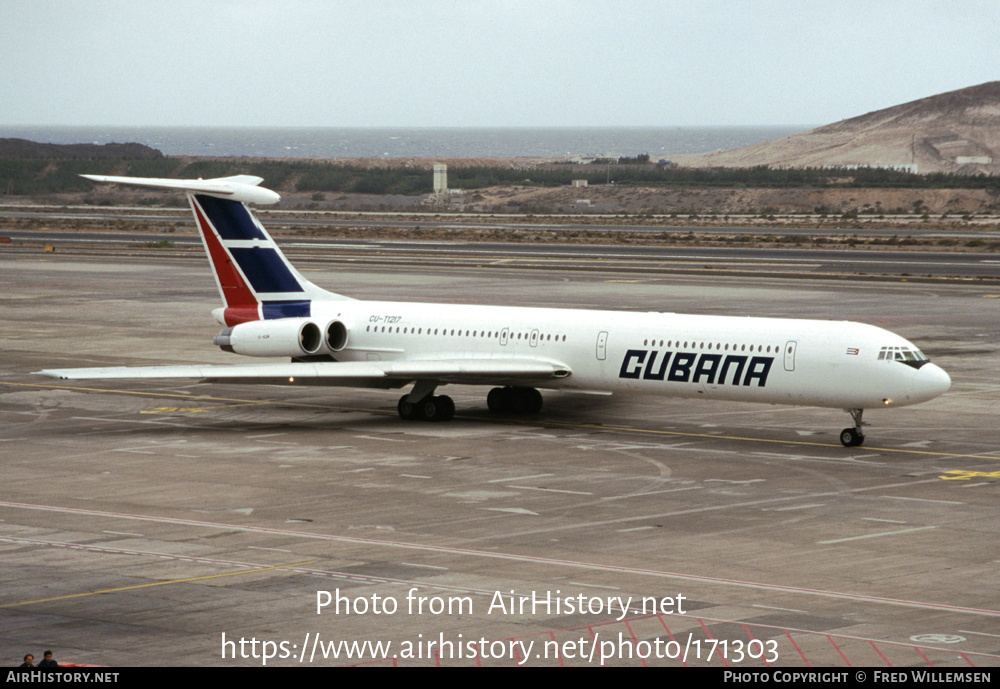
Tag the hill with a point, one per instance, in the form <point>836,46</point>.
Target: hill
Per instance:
<point>955,132</point>
<point>22,148</point>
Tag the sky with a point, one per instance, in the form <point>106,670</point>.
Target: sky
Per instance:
<point>478,63</point>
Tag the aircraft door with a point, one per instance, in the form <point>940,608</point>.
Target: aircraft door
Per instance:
<point>503,336</point>
<point>602,345</point>
<point>790,355</point>
<point>533,339</point>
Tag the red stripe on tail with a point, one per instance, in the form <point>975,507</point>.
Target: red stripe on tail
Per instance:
<point>241,304</point>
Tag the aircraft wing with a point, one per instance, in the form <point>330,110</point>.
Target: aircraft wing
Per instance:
<point>377,374</point>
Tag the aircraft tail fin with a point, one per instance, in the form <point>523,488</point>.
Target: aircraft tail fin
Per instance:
<point>254,278</point>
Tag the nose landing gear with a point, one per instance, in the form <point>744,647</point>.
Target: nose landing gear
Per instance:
<point>853,437</point>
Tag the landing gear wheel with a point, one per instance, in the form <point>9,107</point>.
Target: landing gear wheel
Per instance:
<point>511,400</point>
<point>437,408</point>
<point>445,408</point>
<point>853,437</point>
<point>530,400</point>
<point>850,437</point>
<point>497,400</point>
<point>429,409</point>
<point>407,410</point>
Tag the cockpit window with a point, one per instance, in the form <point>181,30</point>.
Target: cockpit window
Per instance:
<point>913,357</point>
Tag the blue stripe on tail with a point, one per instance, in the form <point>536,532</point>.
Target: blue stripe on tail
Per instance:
<point>286,309</point>
<point>265,270</point>
<point>231,219</point>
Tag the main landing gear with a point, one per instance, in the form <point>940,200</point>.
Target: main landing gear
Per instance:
<point>423,405</point>
<point>512,400</point>
<point>853,437</point>
<point>431,408</point>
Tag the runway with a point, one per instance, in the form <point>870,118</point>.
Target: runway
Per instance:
<point>185,524</point>
<point>842,263</point>
<point>903,226</point>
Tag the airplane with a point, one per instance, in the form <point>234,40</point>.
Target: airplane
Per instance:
<point>270,310</point>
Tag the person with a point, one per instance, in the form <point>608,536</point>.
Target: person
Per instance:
<point>47,660</point>
<point>29,661</point>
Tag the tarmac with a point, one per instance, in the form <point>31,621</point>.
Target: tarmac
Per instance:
<point>181,524</point>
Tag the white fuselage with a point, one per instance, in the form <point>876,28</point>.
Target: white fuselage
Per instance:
<point>771,360</point>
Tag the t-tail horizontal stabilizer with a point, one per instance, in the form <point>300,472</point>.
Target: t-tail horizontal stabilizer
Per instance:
<point>236,188</point>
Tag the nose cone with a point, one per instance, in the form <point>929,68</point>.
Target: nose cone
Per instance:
<point>930,381</point>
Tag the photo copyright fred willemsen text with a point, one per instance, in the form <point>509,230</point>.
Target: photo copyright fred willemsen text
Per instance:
<point>592,648</point>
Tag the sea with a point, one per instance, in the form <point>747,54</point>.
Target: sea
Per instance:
<point>446,142</point>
